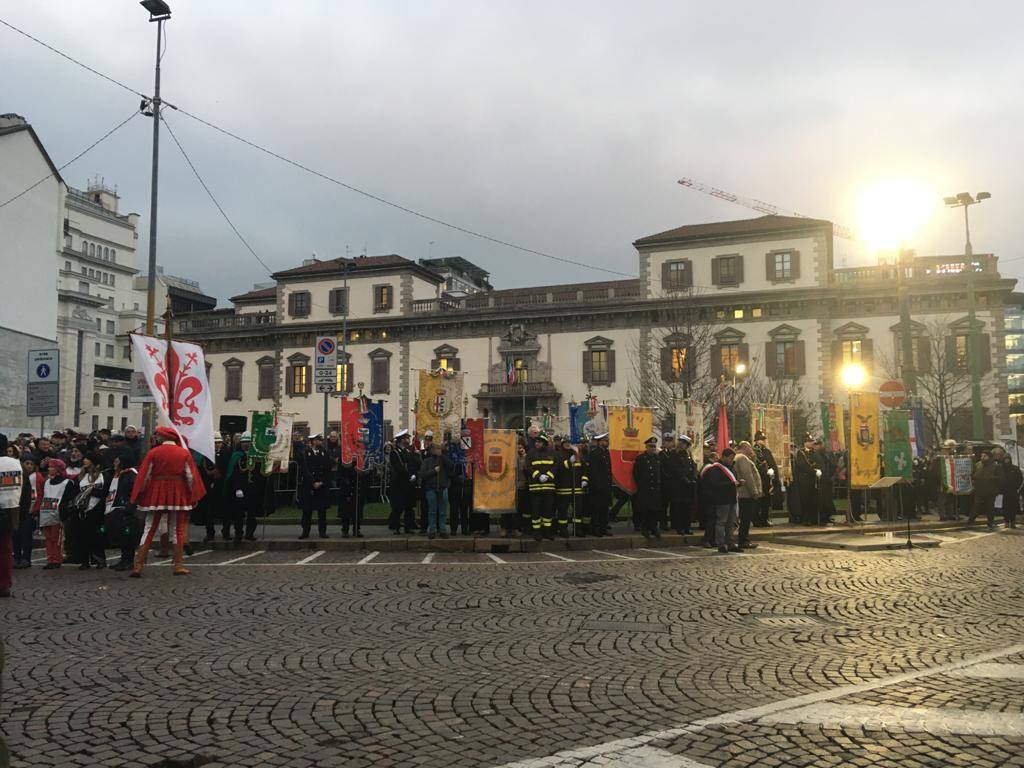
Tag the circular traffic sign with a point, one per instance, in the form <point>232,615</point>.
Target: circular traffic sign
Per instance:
<point>325,346</point>
<point>43,371</point>
<point>892,393</point>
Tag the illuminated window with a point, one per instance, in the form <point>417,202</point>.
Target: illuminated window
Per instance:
<point>443,364</point>
<point>755,312</point>
<point>341,378</point>
<point>730,357</point>
<point>383,296</point>
<point>599,366</point>
<point>737,314</point>
<point>522,372</point>
<point>300,385</point>
<point>851,351</point>
<point>960,351</point>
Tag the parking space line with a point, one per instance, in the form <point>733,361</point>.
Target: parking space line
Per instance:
<point>495,558</point>
<point>612,554</point>
<point>368,558</point>
<point>559,557</point>
<point>428,558</point>
<point>311,558</point>
<point>243,557</point>
<point>661,552</point>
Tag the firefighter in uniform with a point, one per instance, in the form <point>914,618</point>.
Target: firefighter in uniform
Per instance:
<point>540,469</point>
<point>599,491</point>
<point>580,486</point>
<point>648,501</point>
<point>565,484</point>
<point>771,482</point>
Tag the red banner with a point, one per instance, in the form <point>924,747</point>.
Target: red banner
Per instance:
<point>351,436</point>
<point>475,451</point>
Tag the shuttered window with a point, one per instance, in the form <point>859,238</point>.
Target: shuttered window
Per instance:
<point>383,298</point>
<point>233,379</point>
<point>338,301</point>
<point>380,375</point>
<point>676,275</point>
<point>266,378</point>
<point>299,303</point>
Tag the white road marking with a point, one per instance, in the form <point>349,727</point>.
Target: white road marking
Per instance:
<point>495,558</point>
<point>368,558</point>
<point>311,558</point>
<point>243,557</point>
<point>973,536</point>
<point>967,722</point>
<point>612,554</point>
<point>660,552</point>
<point>200,552</point>
<point>428,558</point>
<point>576,757</point>
<point>559,557</point>
<point>992,670</point>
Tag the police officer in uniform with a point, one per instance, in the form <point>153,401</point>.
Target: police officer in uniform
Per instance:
<point>806,474</point>
<point>540,469</point>
<point>648,501</point>
<point>599,490</point>
<point>679,480</point>
<point>403,467</point>
<point>316,487</point>
<point>771,482</point>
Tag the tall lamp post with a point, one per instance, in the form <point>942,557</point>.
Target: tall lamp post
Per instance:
<point>738,371</point>
<point>523,374</point>
<point>159,11</point>
<point>965,200</point>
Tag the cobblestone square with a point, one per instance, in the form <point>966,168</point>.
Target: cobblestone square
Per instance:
<point>671,658</point>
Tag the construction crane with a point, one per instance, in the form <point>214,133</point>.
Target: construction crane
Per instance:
<point>759,205</point>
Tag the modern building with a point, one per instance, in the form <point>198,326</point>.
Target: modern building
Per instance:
<point>1015,363</point>
<point>461,277</point>
<point>763,292</point>
<point>31,209</point>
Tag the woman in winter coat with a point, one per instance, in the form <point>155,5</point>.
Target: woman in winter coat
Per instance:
<point>435,477</point>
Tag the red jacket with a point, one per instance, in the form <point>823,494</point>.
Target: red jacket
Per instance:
<point>168,480</point>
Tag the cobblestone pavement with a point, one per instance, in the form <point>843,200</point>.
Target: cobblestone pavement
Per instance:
<point>662,658</point>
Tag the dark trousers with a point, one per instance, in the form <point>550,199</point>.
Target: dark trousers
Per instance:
<point>542,510</point>
<point>649,516</point>
<point>599,502</point>
<point>747,509</point>
<point>563,502</point>
<point>350,514</point>
<point>680,508</point>
<point>621,497</point>
<point>235,516</point>
<point>88,541</point>
<point>984,504</point>
<point>315,500</point>
<point>525,518</point>
<point>708,522</point>
<point>764,510</point>
<point>424,508</point>
<point>21,539</point>
<point>6,562</point>
<point>403,510</point>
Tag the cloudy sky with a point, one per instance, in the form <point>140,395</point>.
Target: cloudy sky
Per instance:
<point>559,126</point>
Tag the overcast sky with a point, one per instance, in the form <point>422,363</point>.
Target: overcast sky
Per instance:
<point>560,126</point>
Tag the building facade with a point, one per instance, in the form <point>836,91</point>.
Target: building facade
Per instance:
<point>763,292</point>
<point>30,239</point>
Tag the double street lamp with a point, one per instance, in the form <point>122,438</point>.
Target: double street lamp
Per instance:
<point>965,200</point>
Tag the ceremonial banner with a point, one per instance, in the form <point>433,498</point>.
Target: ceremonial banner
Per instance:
<point>439,403</point>
<point>578,417</point>
<point>722,435</point>
<point>690,421</point>
<point>188,408</point>
<point>774,421</point>
<point>628,427</point>
<point>832,427</point>
<point>917,431</point>
<point>896,444</point>
<point>494,481</point>
<point>263,435</point>
<point>362,432</point>
<point>956,475</point>
<point>864,469</point>
<point>280,451</point>
<point>475,448</point>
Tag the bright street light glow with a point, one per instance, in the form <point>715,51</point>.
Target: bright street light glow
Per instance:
<point>740,369</point>
<point>853,375</point>
<point>891,212</point>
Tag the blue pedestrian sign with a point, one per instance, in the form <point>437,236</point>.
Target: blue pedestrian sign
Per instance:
<point>43,388</point>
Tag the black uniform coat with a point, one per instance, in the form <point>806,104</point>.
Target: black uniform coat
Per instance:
<point>647,475</point>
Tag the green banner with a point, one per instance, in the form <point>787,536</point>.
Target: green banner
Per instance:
<point>896,444</point>
<point>263,433</point>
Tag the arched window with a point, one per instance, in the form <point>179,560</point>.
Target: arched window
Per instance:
<point>92,249</point>
<point>124,401</point>
<point>110,401</point>
<point>96,399</point>
<point>113,254</point>
<point>106,254</point>
<point>85,248</point>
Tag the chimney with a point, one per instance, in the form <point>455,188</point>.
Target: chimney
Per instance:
<point>10,119</point>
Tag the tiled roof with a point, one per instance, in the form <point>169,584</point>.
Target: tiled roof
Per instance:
<point>335,266</point>
<point>262,294</point>
<point>759,225</point>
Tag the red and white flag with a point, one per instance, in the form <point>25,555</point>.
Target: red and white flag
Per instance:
<point>188,408</point>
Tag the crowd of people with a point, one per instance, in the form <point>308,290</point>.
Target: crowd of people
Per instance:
<point>87,494</point>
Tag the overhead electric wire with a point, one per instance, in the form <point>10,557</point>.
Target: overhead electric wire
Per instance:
<point>326,176</point>
<point>209,192</point>
<point>69,162</point>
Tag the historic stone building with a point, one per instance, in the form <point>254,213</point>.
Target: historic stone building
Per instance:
<point>762,291</point>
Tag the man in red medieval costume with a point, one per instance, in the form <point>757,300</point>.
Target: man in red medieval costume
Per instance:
<point>168,484</point>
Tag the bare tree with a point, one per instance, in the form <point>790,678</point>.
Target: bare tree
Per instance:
<point>943,379</point>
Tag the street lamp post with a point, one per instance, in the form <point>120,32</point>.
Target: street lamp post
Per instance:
<point>965,200</point>
<point>738,370</point>
<point>522,381</point>
<point>159,11</point>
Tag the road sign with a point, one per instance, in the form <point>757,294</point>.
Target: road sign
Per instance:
<point>43,382</point>
<point>139,389</point>
<point>892,394</point>
<point>325,364</point>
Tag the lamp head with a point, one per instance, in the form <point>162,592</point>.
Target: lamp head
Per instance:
<point>740,369</point>
<point>158,9</point>
<point>853,375</point>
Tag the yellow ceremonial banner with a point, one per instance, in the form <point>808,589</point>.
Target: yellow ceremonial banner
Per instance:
<point>774,421</point>
<point>628,427</point>
<point>439,403</point>
<point>494,478</point>
<point>864,448</point>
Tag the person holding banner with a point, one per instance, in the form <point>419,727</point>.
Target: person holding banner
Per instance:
<point>168,485</point>
<point>988,482</point>
<point>353,486</point>
<point>679,478</point>
<point>771,481</point>
<point>806,475</point>
<point>240,498</point>
<point>599,491</point>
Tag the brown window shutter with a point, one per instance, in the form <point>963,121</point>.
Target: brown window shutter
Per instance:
<point>796,264</point>
<point>587,374</point>
<point>769,266</point>
<point>715,361</point>
<point>688,274</point>
<point>715,279</point>
<point>745,355</point>
<point>349,376</point>
<point>924,354</point>
<point>769,359</point>
<point>984,352</point>
<point>867,353</point>
<point>435,364</point>
<point>611,366</point>
<point>455,364</point>
<point>690,364</point>
<point>951,362</point>
<point>309,379</point>
<point>289,380</point>
<point>801,358</point>
<point>291,304</point>
<point>667,375</point>
<point>739,268</point>
<point>379,376</point>
<point>665,276</point>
